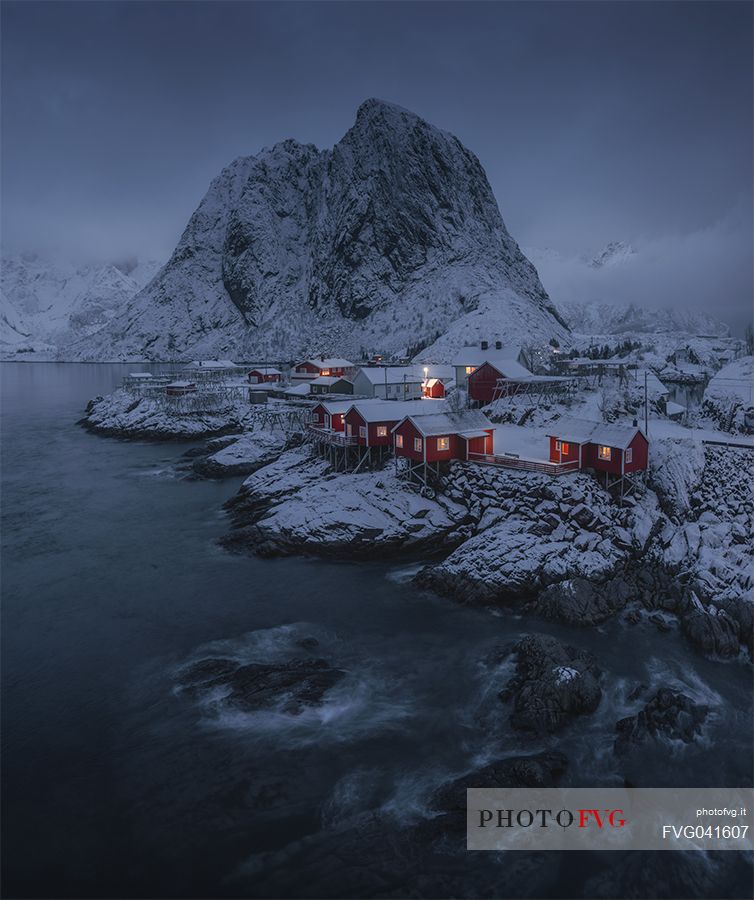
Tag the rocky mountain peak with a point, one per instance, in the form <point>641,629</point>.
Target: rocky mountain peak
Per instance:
<point>389,240</point>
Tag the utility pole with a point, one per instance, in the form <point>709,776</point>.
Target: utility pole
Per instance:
<point>646,406</point>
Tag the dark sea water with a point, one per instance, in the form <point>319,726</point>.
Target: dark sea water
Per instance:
<point>117,785</point>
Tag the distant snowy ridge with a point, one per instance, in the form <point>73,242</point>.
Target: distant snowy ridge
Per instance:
<point>601,294</point>
<point>386,242</point>
<point>626,319</point>
<point>48,303</point>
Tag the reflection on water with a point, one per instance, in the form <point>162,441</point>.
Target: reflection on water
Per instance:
<point>118,783</point>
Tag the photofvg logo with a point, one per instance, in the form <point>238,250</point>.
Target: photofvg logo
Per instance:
<point>547,818</point>
<point>609,819</point>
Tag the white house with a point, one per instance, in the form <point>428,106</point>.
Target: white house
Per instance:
<point>389,382</point>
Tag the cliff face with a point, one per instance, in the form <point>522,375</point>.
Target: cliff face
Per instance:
<point>391,239</point>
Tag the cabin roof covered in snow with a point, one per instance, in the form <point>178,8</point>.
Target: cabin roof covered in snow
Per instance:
<point>394,410</point>
<point>475,356</point>
<point>181,384</point>
<point>335,407</point>
<point>329,380</point>
<point>391,374</point>
<point>581,431</point>
<point>508,367</point>
<point>300,390</point>
<point>449,423</point>
<point>265,370</point>
<point>139,374</point>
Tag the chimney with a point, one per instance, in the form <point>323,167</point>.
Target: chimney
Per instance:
<point>484,345</point>
<point>498,345</point>
<point>636,423</point>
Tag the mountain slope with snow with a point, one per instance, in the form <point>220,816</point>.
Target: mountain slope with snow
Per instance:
<point>391,239</point>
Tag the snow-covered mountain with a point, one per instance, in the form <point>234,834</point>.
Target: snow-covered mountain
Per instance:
<point>613,254</point>
<point>48,303</point>
<point>590,292</point>
<point>391,239</point>
<point>627,319</point>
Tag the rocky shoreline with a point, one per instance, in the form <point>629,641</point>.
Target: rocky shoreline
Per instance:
<point>561,548</point>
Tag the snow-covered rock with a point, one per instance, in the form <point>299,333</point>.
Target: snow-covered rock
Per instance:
<point>242,454</point>
<point>122,414</point>
<point>675,471</point>
<point>729,396</point>
<point>392,238</point>
<point>535,531</point>
<point>297,505</point>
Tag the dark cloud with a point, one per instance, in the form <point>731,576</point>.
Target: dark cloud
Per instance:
<point>594,121</point>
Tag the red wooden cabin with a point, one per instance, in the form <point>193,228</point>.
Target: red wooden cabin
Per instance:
<point>617,449</point>
<point>313,368</point>
<point>483,381</point>
<point>371,422</point>
<point>433,388</point>
<point>442,436</point>
<point>264,375</point>
<point>330,415</point>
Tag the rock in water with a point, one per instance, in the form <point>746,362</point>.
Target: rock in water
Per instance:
<point>669,714</point>
<point>393,232</point>
<point>553,684</point>
<point>713,631</point>
<point>290,686</point>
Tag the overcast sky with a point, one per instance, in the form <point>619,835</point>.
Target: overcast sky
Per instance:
<point>594,121</point>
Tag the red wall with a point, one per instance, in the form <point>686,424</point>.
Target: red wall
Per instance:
<point>307,368</point>
<point>318,418</point>
<point>262,378</point>
<point>482,383</point>
<point>456,448</point>
<point>640,447</point>
<point>436,392</point>
<point>573,452</point>
<point>354,419</point>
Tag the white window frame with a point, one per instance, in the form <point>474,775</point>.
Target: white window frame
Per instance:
<point>349,429</point>
<point>629,454</point>
<point>443,443</point>
<point>382,431</point>
<point>557,446</point>
<point>399,440</point>
<point>362,431</point>
<point>418,445</point>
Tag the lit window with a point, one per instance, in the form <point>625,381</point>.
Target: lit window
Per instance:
<point>604,453</point>
<point>382,431</point>
<point>362,431</point>
<point>418,445</point>
<point>630,455</point>
<point>399,440</point>
<point>469,370</point>
<point>443,443</point>
<point>564,448</point>
<point>325,372</point>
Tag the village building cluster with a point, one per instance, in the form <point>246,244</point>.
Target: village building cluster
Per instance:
<point>422,416</point>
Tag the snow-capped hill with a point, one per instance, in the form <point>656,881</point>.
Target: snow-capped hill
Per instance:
<point>613,254</point>
<point>391,239</point>
<point>625,319</point>
<point>47,303</point>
